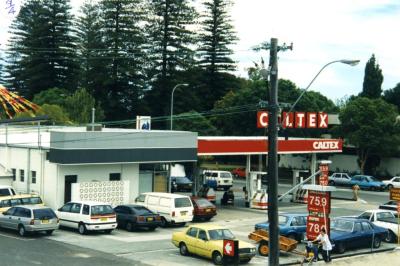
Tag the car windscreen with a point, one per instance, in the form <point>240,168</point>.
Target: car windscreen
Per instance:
<point>31,200</point>
<point>182,203</point>
<point>225,175</point>
<point>183,179</point>
<point>220,234</point>
<point>142,210</point>
<point>101,210</point>
<point>372,179</point>
<point>342,225</point>
<point>203,203</point>
<point>44,214</point>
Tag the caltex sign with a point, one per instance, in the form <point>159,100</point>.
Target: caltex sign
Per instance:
<point>296,120</point>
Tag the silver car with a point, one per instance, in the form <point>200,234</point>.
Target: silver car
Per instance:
<point>31,218</point>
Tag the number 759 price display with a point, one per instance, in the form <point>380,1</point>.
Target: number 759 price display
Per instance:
<point>319,202</point>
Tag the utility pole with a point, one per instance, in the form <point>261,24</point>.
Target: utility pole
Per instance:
<point>273,110</point>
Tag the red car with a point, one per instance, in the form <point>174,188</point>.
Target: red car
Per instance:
<point>239,172</point>
<point>203,209</point>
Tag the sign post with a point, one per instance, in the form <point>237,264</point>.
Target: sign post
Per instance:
<point>395,195</point>
<point>398,223</point>
<point>231,252</point>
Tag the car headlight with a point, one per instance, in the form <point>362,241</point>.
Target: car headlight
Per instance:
<point>252,250</point>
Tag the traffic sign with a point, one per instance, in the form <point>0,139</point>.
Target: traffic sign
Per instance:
<point>315,225</point>
<point>319,201</point>
<point>395,194</point>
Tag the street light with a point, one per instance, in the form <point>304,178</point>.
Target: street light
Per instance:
<point>343,61</point>
<point>172,99</point>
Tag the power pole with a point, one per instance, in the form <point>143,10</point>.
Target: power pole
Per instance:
<point>273,109</point>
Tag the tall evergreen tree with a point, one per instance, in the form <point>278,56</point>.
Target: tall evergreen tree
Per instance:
<point>124,41</point>
<point>91,50</point>
<point>214,51</point>
<point>373,78</point>
<point>171,42</point>
<point>41,50</point>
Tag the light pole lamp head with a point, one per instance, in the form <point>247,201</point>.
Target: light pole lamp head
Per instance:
<point>350,62</point>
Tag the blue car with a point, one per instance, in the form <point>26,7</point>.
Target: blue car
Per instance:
<point>367,182</point>
<point>292,225</point>
<point>353,233</point>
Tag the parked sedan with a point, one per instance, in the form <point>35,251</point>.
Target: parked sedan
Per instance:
<point>181,183</point>
<point>33,218</point>
<point>340,179</point>
<point>239,172</point>
<point>203,209</point>
<point>390,205</point>
<point>292,225</point>
<point>206,240</point>
<point>136,216</point>
<point>353,233</point>
<point>367,182</point>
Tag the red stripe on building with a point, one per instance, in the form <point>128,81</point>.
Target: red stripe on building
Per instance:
<point>231,146</point>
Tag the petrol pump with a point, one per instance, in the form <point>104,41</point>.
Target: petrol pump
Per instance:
<point>257,197</point>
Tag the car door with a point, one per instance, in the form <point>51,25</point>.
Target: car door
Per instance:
<point>396,182</point>
<point>64,214</point>
<point>356,238</point>
<point>75,215</point>
<point>190,239</point>
<point>6,218</point>
<point>368,234</point>
<point>202,243</point>
<point>16,217</point>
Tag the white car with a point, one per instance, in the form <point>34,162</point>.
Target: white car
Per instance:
<point>88,216</point>
<point>383,218</point>
<point>340,179</point>
<point>394,182</point>
<point>223,178</point>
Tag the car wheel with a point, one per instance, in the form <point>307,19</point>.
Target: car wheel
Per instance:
<point>21,230</point>
<point>49,232</point>
<point>82,229</point>
<point>341,248</point>
<point>390,237</point>
<point>217,258</point>
<point>377,242</point>
<point>164,222</point>
<point>129,227</point>
<point>390,187</point>
<point>183,249</point>
<point>263,248</point>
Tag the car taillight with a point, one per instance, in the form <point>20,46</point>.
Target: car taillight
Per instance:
<point>140,218</point>
<point>32,222</point>
<point>173,214</point>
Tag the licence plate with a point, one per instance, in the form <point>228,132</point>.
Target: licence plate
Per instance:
<point>149,219</point>
<point>103,219</point>
<point>183,213</point>
<point>45,221</point>
<point>226,181</point>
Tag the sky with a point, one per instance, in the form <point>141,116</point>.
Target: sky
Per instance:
<point>321,32</point>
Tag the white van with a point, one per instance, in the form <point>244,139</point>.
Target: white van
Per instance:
<point>223,178</point>
<point>88,216</point>
<point>173,208</point>
<point>7,191</point>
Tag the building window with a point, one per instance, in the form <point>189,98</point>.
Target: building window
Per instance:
<point>14,173</point>
<point>33,175</point>
<point>115,177</point>
<point>22,175</point>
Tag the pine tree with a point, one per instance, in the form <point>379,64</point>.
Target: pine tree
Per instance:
<point>214,52</point>
<point>41,50</point>
<point>171,51</point>
<point>90,50</point>
<point>373,78</point>
<point>124,41</point>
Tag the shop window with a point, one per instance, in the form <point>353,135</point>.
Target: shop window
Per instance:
<point>33,175</point>
<point>21,175</point>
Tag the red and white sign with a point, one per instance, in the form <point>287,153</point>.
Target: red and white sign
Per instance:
<point>315,225</point>
<point>229,247</point>
<point>319,201</point>
<point>259,145</point>
<point>323,177</point>
<point>262,119</point>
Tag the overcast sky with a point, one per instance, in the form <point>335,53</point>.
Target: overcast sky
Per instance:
<point>321,31</point>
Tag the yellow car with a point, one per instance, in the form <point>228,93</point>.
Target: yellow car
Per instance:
<point>7,202</point>
<point>207,241</point>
